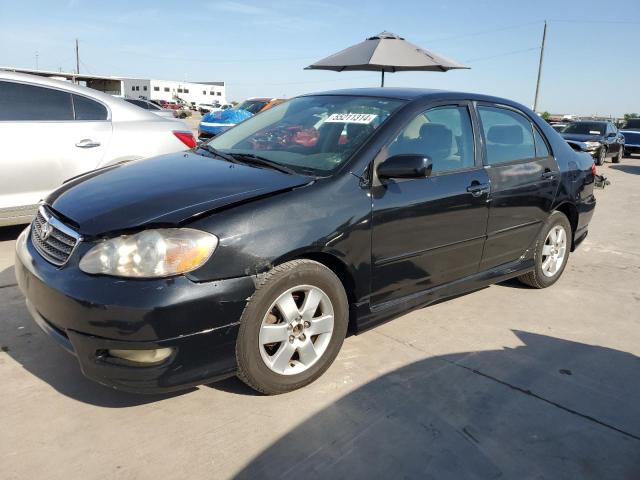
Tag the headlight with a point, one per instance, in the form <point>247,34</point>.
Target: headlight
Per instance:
<point>591,145</point>
<point>150,253</point>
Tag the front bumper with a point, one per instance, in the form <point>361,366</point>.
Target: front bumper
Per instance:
<point>89,315</point>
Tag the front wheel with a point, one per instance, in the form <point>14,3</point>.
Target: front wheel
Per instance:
<point>551,252</point>
<point>619,155</point>
<point>292,327</point>
<point>600,156</point>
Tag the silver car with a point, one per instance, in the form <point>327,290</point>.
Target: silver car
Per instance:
<point>152,107</point>
<point>52,130</point>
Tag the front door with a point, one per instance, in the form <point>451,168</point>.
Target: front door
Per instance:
<point>524,180</point>
<point>430,231</point>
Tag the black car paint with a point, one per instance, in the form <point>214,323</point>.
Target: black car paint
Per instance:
<point>395,244</point>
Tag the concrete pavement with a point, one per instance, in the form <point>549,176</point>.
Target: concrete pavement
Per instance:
<point>505,382</point>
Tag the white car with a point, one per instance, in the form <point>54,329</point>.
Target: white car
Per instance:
<point>52,130</point>
<point>152,107</point>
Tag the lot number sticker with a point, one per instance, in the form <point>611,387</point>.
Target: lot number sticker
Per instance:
<point>362,118</point>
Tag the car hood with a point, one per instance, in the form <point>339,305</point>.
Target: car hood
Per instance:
<point>165,190</point>
<point>582,137</point>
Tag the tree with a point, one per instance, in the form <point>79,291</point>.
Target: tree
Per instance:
<point>627,116</point>
<point>546,116</point>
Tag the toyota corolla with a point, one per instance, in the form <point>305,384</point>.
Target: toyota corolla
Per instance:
<point>258,252</point>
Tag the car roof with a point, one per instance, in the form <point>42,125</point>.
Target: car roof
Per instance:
<point>119,108</point>
<point>410,94</point>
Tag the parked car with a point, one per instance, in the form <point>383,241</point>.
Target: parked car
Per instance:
<point>152,107</point>
<point>216,122</point>
<point>205,108</point>
<point>52,130</point>
<point>602,139</point>
<point>254,254</point>
<point>559,127</point>
<point>631,131</point>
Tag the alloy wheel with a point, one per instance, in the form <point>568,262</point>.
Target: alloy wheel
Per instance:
<point>296,330</point>
<point>554,251</point>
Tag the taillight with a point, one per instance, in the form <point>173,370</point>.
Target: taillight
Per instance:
<point>186,137</point>
<point>593,169</point>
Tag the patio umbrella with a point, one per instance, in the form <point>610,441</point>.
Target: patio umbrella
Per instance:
<point>385,52</point>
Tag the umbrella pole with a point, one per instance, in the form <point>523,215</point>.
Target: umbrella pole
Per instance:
<point>382,83</point>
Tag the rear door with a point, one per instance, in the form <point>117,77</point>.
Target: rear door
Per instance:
<point>524,179</point>
<point>90,136</point>
<point>430,231</point>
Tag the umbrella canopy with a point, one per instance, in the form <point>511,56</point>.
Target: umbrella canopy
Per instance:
<point>385,52</point>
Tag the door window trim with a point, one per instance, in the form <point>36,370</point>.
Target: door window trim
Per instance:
<point>423,108</point>
<point>534,127</point>
<point>69,92</point>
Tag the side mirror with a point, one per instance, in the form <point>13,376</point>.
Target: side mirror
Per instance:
<point>405,166</point>
<point>611,134</point>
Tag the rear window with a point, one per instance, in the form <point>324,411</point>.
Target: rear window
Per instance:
<point>87,109</point>
<point>20,102</point>
<point>633,123</point>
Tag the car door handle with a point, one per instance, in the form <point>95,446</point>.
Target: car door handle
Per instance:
<point>549,175</point>
<point>477,189</point>
<point>87,143</point>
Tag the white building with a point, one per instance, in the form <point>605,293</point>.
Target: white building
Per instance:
<point>190,92</point>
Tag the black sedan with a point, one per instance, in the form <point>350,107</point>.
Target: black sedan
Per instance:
<point>256,253</point>
<point>601,139</point>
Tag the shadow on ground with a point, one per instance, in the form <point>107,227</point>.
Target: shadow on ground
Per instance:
<point>633,169</point>
<point>548,409</point>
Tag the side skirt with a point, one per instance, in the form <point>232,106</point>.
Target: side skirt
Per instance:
<point>369,317</point>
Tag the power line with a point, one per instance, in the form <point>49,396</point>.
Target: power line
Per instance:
<point>504,54</point>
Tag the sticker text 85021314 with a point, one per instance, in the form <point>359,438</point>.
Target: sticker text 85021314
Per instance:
<point>363,118</point>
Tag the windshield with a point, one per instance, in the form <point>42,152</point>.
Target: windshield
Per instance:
<point>586,128</point>
<point>633,123</point>
<point>314,133</point>
<point>252,106</point>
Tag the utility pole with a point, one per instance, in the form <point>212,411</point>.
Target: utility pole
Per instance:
<point>77,59</point>
<point>544,39</point>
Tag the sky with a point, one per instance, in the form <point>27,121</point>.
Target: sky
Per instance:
<point>259,48</point>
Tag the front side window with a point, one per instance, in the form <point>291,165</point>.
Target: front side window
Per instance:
<point>87,109</point>
<point>444,134</point>
<point>313,134</point>
<point>20,102</point>
<point>508,134</point>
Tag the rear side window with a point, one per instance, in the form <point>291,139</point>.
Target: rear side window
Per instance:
<point>20,102</point>
<point>541,147</point>
<point>87,109</point>
<point>508,134</point>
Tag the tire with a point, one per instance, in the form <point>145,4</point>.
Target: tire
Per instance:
<point>260,364</point>
<point>601,155</point>
<point>537,278</point>
<point>619,156</point>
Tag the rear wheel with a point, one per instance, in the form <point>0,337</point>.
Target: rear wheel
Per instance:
<point>292,328</point>
<point>619,155</point>
<point>551,253</point>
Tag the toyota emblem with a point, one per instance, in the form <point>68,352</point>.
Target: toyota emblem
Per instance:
<point>45,230</point>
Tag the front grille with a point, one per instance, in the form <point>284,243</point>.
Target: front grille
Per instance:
<point>53,239</point>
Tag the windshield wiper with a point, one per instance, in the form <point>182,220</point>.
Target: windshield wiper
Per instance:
<point>257,160</point>
<point>217,153</point>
